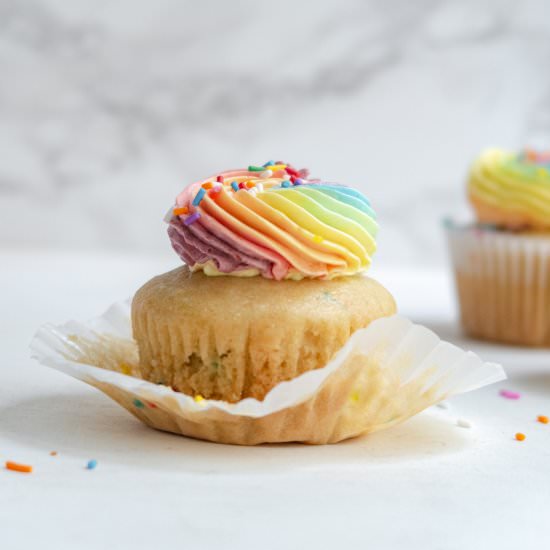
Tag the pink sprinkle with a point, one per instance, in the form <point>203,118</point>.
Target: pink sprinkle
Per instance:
<point>509,394</point>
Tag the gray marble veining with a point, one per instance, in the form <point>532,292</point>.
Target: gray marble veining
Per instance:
<point>108,108</point>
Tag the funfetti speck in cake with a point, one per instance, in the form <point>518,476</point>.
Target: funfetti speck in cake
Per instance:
<point>274,221</point>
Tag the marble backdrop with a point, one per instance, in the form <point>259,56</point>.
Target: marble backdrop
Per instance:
<point>108,108</point>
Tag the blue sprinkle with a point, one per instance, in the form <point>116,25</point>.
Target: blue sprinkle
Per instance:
<point>285,184</point>
<point>199,196</point>
<point>269,163</point>
<point>235,186</point>
<point>91,464</point>
<point>138,404</point>
<point>298,181</point>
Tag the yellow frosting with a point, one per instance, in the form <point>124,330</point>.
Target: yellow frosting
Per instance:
<point>511,189</point>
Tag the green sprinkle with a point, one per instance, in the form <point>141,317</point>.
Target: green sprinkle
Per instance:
<point>256,168</point>
<point>139,404</point>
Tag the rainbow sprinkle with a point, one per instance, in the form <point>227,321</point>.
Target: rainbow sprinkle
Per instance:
<point>509,394</point>
<point>235,186</point>
<point>520,437</point>
<point>199,196</point>
<point>192,218</point>
<point>180,211</point>
<point>285,184</point>
<point>542,419</point>
<point>92,464</point>
<point>16,467</point>
<point>137,403</point>
<point>252,168</point>
<point>219,179</point>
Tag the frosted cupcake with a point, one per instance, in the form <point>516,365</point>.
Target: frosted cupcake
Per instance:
<point>273,283</point>
<point>502,263</point>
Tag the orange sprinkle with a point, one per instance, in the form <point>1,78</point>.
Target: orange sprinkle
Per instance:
<point>180,211</point>
<point>542,419</point>
<point>53,453</point>
<point>207,185</point>
<point>250,184</point>
<point>520,436</point>
<point>18,467</point>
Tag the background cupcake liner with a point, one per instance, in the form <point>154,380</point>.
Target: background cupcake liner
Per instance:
<point>383,375</point>
<point>503,284</point>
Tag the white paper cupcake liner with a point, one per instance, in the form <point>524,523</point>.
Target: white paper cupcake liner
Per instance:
<point>383,375</point>
<point>503,283</point>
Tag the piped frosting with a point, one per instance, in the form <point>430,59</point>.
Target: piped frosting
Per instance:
<point>512,190</point>
<point>272,221</point>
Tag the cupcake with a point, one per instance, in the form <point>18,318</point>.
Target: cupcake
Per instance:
<point>272,284</point>
<point>502,262</point>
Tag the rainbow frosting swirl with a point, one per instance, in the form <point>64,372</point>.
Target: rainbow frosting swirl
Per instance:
<point>273,221</point>
<point>512,190</point>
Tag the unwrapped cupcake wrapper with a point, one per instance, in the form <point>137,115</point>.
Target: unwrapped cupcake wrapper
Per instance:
<point>383,375</point>
<point>503,284</point>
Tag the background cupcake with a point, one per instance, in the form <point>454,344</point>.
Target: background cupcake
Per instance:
<point>502,263</point>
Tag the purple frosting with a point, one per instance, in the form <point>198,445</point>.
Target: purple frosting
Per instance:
<point>194,244</point>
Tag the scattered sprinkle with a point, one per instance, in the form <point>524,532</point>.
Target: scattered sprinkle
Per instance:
<point>520,436</point>
<point>53,453</point>
<point>509,394</point>
<point>235,186</point>
<point>192,218</point>
<point>180,211</point>
<point>152,405</point>
<point>318,239</point>
<point>269,163</point>
<point>266,174</point>
<point>250,184</point>
<point>542,419</point>
<point>91,465</point>
<point>463,423</point>
<point>241,185</point>
<point>139,404</point>
<point>276,167</point>
<point>207,185</point>
<point>198,398</point>
<point>219,179</point>
<point>16,467</point>
<point>198,197</point>
<point>298,181</point>
<point>285,184</point>
<point>252,168</point>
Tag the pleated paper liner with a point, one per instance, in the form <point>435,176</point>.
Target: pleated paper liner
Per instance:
<point>385,374</point>
<point>503,284</point>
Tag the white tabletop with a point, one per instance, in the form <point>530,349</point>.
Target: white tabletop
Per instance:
<point>427,484</point>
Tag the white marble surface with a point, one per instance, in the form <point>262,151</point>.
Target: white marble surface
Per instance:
<point>427,484</point>
<point>108,108</point>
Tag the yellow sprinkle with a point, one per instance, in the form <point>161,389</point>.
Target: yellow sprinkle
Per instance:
<point>199,398</point>
<point>125,368</point>
<point>354,397</point>
<point>276,167</point>
<point>318,239</point>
